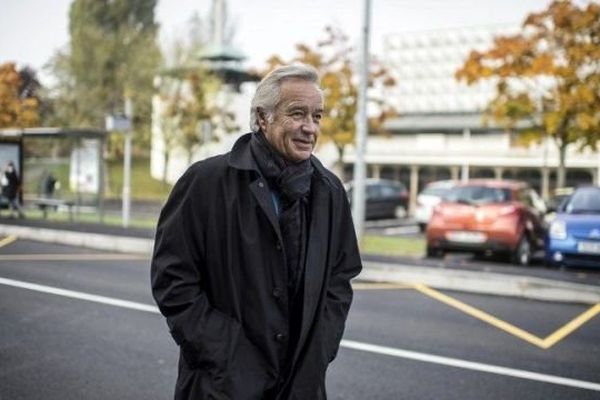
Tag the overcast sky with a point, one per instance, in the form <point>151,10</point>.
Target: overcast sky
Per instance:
<point>32,30</point>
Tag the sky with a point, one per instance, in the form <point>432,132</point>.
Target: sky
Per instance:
<point>32,30</point>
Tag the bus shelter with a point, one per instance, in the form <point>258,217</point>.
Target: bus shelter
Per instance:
<point>73,157</point>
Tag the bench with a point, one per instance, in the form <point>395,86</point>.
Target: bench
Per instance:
<point>45,204</point>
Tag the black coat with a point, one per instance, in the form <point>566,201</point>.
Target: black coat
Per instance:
<point>219,277</point>
<point>11,189</point>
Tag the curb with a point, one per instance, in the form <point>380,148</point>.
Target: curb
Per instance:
<point>439,278</point>
<point>482,282</point>
<point>82,239</point>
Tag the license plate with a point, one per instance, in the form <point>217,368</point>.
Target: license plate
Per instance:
<point>466,237</point>
<point>589,247</point>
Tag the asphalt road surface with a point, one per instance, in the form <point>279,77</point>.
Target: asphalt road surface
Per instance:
<point>81,324</point>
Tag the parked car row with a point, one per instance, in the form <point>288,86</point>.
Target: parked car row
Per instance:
<point>384,198</point>
<point>500,217</point>
<point>508,217</point>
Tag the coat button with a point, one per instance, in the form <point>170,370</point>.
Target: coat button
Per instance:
<point>277,292</point>
<point>280,337</point>
<point>278,246</point>
<point>260,184</point>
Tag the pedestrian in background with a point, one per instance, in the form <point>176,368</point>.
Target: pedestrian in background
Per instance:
<point>254,254</point>
<point>11,188</point>
<point>48,185</point>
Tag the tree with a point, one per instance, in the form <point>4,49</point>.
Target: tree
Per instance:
<point>548,75</point>
<point>333,57</point>
<point>19,103</point>
<point>187,92</point>
<point>112,53</point>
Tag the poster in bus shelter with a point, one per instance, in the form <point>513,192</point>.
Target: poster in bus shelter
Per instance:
<point>84,168</point>
<point>10,152</point>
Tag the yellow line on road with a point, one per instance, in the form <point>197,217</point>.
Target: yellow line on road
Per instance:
<point>483,316</point>
<point>72,257</point>
<point>7,240</point>
<point>571,326</point>
<point>379,286</point>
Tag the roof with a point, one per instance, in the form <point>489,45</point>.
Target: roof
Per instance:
<point>89,133</point>
<point>495,183</point>
<point>221,53</point>
<point>442,123</point>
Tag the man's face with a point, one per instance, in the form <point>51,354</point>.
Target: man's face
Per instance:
<point>294,129</point>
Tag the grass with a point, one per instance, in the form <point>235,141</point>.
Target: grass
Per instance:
<point>393,245</point>
<point>143,186</point>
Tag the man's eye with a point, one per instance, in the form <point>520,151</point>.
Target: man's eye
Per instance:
<point>298,114</point>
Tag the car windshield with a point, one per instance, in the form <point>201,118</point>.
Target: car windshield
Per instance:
<point>584,201</point>
<point>435,191</point>
<point>477,195</point>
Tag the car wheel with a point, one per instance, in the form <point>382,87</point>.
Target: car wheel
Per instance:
<point>400,212</point>
<point>434,252</point>
<point>522,254</point>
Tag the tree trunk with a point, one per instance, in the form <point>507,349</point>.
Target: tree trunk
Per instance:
<point>190,155</point>
<point>165,168</point>
<point>561,173</point>
<point>338,165</point>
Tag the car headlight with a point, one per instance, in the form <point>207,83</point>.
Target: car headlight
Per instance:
<point>558,230</point>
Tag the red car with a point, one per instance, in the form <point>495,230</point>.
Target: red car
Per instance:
<point>488,216</point>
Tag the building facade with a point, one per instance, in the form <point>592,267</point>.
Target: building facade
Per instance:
<point>440,133</point>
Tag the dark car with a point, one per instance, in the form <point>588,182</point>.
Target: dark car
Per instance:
<point>574,235</point>
<point>384,198</point>
<point>488,216</point>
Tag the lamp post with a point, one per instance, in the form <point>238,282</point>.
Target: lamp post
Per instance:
<point>126,207</point>
<point>358,190</point>
<point>123,123</point>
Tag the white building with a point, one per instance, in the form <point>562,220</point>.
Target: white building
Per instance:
<point>440,132</point>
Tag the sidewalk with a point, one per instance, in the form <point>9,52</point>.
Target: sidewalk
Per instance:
<point>539,283</point>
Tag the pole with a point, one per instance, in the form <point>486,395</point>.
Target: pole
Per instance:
<point>127,164</point>
<point>358,198</point>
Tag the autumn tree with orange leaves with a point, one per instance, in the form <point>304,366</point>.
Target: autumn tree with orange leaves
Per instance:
<point>549,75</point>
<point>333,57</point>
<point>18,106</point>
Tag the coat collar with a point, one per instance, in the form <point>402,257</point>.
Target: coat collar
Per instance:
<point>241,158</point>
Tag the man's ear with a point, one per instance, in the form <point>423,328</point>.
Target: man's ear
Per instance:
<point>262,119</point>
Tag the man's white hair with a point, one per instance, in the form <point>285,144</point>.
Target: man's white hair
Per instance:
<point>268,91</point>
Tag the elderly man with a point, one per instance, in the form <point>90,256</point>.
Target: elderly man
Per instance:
<point>254,254</point>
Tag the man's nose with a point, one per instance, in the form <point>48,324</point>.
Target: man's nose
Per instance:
<point>310,126</point>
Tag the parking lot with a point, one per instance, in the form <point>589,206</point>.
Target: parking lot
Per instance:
<point>82,324</point>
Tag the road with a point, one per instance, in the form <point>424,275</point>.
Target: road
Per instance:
<point>101,337</point>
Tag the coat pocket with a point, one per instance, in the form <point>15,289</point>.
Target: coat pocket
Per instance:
<point>209,347</point>
<point>248,374</point>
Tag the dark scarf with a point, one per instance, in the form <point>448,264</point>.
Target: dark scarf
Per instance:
<point>291,182</point>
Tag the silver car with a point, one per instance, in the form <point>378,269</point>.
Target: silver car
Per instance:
<point>429,197</point>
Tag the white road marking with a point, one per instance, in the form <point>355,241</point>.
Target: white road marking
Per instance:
<point>349,344</point>
<point>80,295</point>
<point>475,366</point>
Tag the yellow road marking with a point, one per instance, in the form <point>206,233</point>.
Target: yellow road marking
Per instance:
<point>379,286</point>
<point>474,312</point>
<point>7,240</point>
<point>546,343</point>
<point>571,326</point>
<point>72,257</point>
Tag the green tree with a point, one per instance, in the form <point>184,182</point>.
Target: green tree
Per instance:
<point>333,57</point>
<point>187,91</point>
<point>549,75</point>
<point>112,53</point>
<point>19,103</point>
